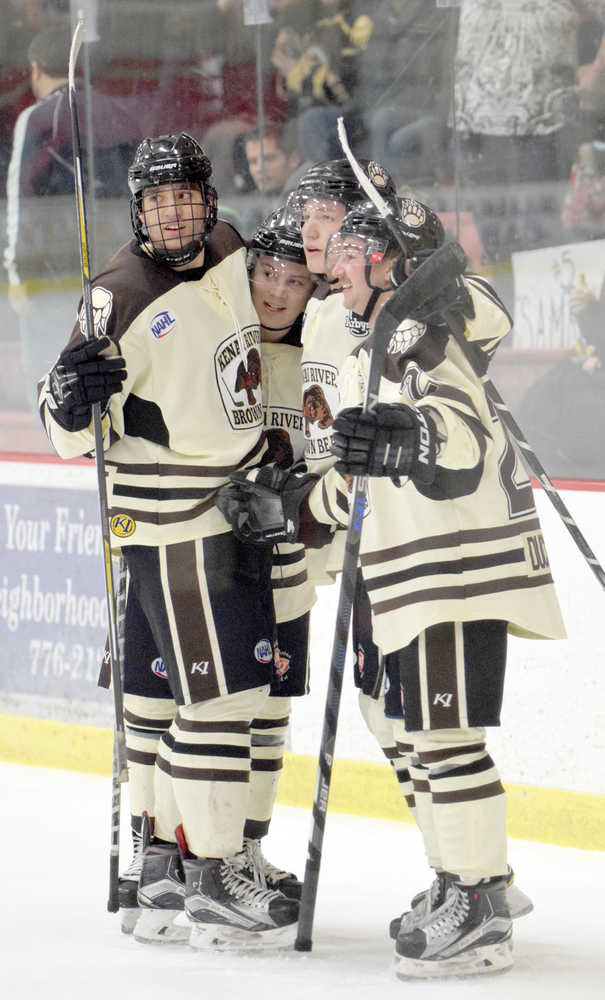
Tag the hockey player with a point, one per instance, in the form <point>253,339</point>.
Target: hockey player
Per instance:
<point>175,365</point>
<point>453,558</point>
<point>280,285</point>
<point>331,332</point>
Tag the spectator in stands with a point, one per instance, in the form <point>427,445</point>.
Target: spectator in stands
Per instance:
<point>563,412</point>
<point>516,116</point>
<point>41,165</point>
<point>274,173</point>
<point>275,164</point>
<point>515,97</point>
<point>583,214</point>
<point>405,77</point>
<point>317,74</point>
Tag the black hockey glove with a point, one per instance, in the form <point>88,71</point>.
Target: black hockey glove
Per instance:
<point>81,376</point>
<point>452,305</point>
<point>262,505</point>
<point>394,440</point>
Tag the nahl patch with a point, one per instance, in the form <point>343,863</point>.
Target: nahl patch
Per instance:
<point>162,324</point>
<point>158,667</point>
<point>263,651</point>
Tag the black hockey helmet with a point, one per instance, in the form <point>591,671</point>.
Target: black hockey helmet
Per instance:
<point>418,227</point>
<point>418,232</point>
<point>169,159</point>
<point>277,237</point>
<point>334,180</point>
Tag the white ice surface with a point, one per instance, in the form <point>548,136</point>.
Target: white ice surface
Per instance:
<point>58,941</point>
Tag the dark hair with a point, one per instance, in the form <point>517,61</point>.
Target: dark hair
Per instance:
<point>50,51</point>
<point>283,136</point>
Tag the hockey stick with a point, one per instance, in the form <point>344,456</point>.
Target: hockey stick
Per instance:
<point>515,434</point>
<point>120,769</point>
<point>444,264</point>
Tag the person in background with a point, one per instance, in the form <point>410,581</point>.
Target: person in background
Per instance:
<point>40,168</point>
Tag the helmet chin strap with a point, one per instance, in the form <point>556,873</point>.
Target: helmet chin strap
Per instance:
<point>275,329</point>
<point>376,293</point>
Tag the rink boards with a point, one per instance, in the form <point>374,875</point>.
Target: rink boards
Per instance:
<point>52,633</point>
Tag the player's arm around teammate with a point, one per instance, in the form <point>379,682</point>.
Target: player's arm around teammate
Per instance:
<point>177,371</point>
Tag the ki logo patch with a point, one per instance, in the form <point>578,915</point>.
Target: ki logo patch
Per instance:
<point>445,700</point>
<point>122,525</point>
<point>200,667</point>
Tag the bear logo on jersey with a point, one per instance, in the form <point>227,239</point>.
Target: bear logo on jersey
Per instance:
<point>239,378</point>
<point>102,300</point>
<point>316,409</point>
<point>282,664</point>
<point>406,336</point>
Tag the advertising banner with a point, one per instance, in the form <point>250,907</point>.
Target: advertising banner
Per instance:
<point>544,282</point>
<point>53,611</point>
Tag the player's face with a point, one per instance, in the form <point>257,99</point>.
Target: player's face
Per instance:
<point>346,259</point>
<point>321,218</point>
<point>280,291</point>
<point>275,162</point>
<point>173,214</point>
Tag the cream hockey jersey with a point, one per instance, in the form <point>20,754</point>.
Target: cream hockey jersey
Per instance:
<point>470,546</point>
<point>330,335</point>
<point>293,594</point>
<point>190,411</point>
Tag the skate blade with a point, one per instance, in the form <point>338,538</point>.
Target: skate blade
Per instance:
<point>518,903</point>
<point>128,918</point>
<point>158,926</point>
<point>490,959</point>
<point>219,937</point>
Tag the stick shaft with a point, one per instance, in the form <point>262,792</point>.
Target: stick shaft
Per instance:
<point>119,771</point>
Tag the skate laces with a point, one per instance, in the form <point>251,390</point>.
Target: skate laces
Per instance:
<point>262,868</point>
<point>240,886</point>
<point>451,914</point>
<point>133,871</point>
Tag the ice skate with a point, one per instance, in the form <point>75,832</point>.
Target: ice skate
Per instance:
<point>128,882</point>
<point>229,910</point>
<point>265,874</point>
<point>161,894</point>
<point>470,933</point>
<point>519,904</point>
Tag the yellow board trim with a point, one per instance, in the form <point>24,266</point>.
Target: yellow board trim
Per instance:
<point>548,815</point>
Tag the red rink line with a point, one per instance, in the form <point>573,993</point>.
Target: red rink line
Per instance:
<point>20,456</point>
<point>580,485</point>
